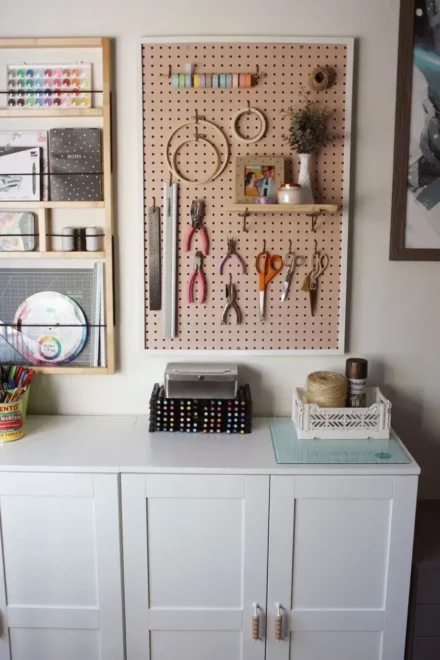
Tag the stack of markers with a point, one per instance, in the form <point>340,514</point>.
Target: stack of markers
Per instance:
<point>15,381</point>
<point>201,415</point>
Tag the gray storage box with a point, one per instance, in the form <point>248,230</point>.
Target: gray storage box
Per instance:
<point>201,380</point>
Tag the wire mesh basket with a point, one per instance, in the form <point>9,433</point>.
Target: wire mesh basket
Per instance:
<point>311,421</point>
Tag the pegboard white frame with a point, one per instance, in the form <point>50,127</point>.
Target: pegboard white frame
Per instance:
<point>349,42</point>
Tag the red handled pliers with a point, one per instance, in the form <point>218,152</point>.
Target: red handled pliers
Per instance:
<point>197,213</point>
<point>197,274</point>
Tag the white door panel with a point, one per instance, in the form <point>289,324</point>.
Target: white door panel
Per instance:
<point>61,571</point>
<point>195,561</point>
<point>339,566</point>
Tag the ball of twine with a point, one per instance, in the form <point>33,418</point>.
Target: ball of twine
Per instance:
<point>321,78</point>
<point>327,389</point>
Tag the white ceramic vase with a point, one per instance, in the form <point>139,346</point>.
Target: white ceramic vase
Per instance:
<point>304,179</point>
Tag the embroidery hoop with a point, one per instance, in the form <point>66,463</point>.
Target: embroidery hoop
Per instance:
<point>261,118</point>
<point>220,164</point>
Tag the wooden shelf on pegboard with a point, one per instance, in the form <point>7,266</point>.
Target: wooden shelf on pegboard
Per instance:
<point>283,208</point>
<point>313,211</point>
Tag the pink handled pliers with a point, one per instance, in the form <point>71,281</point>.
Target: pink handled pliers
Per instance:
<point>197,214</point>
<point>232,249</point>
<point>197,274</point>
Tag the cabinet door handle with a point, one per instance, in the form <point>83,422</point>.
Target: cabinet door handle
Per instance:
<point>278,623</point>
<point>256,622</point>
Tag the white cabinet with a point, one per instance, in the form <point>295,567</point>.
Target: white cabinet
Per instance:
<point>195,561</point>
<point>196,558</point>
<point>339,565</point>
<point>60,577</point>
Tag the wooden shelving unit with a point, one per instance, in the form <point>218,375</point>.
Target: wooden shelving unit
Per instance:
<point>43,208</point>
<point>52,254</point>
<point>53,112</point>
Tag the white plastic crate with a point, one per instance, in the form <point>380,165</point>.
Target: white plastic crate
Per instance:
<point>311,421</point>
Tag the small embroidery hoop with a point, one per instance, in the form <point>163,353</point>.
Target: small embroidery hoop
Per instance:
<point>220,164</point>
<point>261,118</point>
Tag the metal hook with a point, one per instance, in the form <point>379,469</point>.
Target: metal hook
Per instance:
<point>290,245</point>
<point>196,134</point>
<point>196,117</point>
<point>264,245</point>
<point>249,107</point>
<point>316,245</point>
<point>171,178</point>
<point>170,71</point>
<point>257,75</point>
<point>244,215</point>
<point>154,202</point>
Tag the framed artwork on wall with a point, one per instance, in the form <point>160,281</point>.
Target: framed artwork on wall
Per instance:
<point>415,220</point>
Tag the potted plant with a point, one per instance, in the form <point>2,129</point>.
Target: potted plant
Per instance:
<point>307,133</point>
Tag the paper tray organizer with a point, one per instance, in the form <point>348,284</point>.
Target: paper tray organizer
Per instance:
<point>189,415</point>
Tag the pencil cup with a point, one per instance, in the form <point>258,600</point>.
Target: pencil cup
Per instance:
<point>12,418</point>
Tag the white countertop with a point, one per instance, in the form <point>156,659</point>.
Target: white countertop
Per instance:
<point>124,444</point>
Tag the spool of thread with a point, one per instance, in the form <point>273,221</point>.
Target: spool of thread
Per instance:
<point>92,239</point>
<point>68,239</point>
<point>327,389</point>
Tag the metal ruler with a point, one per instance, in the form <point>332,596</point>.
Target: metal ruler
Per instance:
<point>154,270</point>
<point>169,320</point>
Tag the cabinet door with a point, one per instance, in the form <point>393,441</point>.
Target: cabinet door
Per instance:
<point>195,561</point>
<point>339,565</point>
<point>60,588</point>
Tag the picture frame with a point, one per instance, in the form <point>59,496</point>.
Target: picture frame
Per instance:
<point>415,216</point>
<point>257,176</point>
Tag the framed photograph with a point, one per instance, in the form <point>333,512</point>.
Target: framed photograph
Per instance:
<point>257,176</point>
<point>415,221</point>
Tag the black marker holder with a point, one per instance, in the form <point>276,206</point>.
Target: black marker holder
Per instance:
<point>201,415</point>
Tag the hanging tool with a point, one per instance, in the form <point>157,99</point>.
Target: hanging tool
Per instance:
<point>267,266</point>
<point>291,261</point>
<point>232,250</point>
<point>169,260</point>
<point>231,302</point>
<point>197,274</point>
<point>197,213</point>
<point>319,264</point>
<point>154,265</point>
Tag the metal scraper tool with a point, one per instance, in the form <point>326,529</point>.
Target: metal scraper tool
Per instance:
<point>154,264</point>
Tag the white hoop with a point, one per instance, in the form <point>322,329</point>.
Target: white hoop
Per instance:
<point>263,125</point>
<point>220,166</point>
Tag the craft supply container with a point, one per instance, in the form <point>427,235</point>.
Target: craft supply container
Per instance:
<point>13,418</point>
<point>311,421</point>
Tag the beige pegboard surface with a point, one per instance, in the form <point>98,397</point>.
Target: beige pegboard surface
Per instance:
<point>288,325</point>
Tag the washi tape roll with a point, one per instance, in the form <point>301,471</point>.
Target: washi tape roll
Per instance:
<point>181,80</point>
<point>228,80</point>
<point>208,80</point>
<point>202,80</point>
<point>235,80</point>
<point>188,80</point>
<point>248,80</point>
<point>222,80</point>
<point>242,80</point>
<point>215,79</point>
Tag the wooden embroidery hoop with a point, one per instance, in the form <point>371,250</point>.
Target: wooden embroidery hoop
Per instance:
<point>260,117</point>
<point>220,164</point>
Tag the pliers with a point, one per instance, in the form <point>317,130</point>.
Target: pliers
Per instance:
<point>197,213</point>
<point>232,250</point>
<point>197,274</point>
<point>231,302</point>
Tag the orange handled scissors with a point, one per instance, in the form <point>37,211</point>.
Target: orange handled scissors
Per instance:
<point>267,266</point>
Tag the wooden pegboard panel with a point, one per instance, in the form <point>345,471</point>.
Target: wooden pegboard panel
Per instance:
<point>288,325</point>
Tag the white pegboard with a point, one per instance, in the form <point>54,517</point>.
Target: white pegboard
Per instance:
<point>288,325</point>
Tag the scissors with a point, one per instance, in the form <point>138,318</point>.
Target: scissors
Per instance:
<point>291,261</point>
<point>267,266</point>
<point>319,265</point>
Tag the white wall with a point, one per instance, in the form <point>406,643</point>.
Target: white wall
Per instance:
<point>395,315</point>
